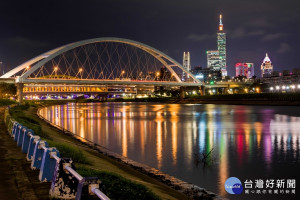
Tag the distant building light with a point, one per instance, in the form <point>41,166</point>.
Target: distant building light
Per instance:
<point>271,88</point>
<point>277,87</point>
<point>199,76</point>
<point>293,86</point>
<point>298,86</point>
<point>283,87</point>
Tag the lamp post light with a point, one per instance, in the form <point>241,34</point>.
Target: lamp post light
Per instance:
<point>55,71</point>
<point>157,75</point>
<point>122,73</point>
<point>80,70</point>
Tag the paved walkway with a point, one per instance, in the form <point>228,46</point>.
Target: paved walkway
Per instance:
<point>18,181</point>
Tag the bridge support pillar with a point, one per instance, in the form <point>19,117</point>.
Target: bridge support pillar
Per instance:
<point>20,87</point>
<point>182,93</point>
<point>202,90</point>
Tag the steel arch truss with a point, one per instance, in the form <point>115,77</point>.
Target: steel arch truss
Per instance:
<point>37,64</point>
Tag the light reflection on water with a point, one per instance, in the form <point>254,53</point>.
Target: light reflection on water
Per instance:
<point>247,141</point>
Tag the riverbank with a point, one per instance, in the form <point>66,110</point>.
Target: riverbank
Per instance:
<point>274,99</point>
<point>241,102</point>
<point>18,181</point>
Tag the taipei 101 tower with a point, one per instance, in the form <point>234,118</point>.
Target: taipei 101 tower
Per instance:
<point>221,36</point>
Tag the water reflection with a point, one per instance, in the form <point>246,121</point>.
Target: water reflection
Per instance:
<point>247,141</point>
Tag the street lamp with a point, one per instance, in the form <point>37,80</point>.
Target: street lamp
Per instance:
<point>157,75</point>
<point>122,73</point>
<point>80,70</point>
<point>55,71</point>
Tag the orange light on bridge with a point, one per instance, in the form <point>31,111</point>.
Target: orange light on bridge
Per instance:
<point>55,68</point>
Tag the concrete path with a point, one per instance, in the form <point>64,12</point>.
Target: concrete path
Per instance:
<point>17,180</point>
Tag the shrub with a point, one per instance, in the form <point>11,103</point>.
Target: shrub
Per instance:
<point>6,102</point>
<point>17,113</point>
<point>69,151</point>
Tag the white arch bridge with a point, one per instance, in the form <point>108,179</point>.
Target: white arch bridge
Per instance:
<point>100,65</point>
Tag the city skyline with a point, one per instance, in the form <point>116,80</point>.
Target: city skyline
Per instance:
<point>253,28</point>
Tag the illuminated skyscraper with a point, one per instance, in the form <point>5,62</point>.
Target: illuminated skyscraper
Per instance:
<point>221,41</point>
<point>244,69</point>
<point>213,60</point>
<point>266,67</point>
<point>186,64</point>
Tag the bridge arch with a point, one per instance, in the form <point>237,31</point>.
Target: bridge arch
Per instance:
<point>42,59</point>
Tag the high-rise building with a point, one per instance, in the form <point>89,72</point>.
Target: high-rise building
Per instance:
<point>186,65</point>
<point>244,69</point>
<point>213,60</point>
<point>221,41</point>
<point>266,67</point>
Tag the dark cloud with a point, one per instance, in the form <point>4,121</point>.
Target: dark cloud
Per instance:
<point>22,42</point>
<point>260,23</point>
<point>256,33</point>
<point>284,48</point>
<point>200,38</point>
<point>237,33</point>
<point>273,36</point>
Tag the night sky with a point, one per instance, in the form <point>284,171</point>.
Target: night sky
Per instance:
<point>254,27</point>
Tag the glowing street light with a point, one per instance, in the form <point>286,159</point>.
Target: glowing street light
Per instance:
<point>277,87</point>
<point>122,73</point>
<point>80,70</point>
<point>55,71</point>
<point>157,75</point>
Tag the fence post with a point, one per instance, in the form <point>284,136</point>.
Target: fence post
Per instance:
<point>26,139</point>
<point>14,129</point>
<point>32,141</point>
<point>20,137</point>
<point>64,185</point>
<point>84,189</point>
<point>38,154</point>
<point>16,136</point>
<point>48,164</point>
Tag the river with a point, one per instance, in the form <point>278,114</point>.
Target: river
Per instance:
<point>248,142</point>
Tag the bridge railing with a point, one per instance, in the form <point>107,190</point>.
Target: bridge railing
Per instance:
<point>66,183</point>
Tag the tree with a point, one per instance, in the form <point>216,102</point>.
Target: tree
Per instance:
<point>7,89</point>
